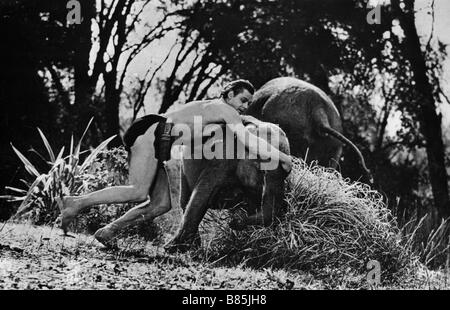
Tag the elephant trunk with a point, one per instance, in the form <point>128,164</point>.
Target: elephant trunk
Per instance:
<point>272,197</point>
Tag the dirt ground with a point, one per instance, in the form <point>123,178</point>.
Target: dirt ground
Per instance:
<point>41,258</point>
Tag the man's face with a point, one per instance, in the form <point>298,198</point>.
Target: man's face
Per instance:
<point>239,101</point>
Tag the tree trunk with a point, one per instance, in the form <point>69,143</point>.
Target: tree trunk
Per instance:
<point>112,103</point>
<point>430,120</point>
<point>167,101</point>
<point>84,86</point>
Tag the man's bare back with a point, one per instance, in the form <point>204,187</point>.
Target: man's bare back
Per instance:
<point>214,111</point>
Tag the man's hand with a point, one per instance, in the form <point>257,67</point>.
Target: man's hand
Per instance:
<point>247,119</point>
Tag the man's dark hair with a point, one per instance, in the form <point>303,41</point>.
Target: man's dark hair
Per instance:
<point>237,87</point>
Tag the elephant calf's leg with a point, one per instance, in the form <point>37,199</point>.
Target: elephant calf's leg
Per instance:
<point>272,196</point>
<point>188,235</point>
<point>185,192</point>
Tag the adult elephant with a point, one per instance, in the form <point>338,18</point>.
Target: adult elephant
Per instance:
<point>207,182</point>
<point>308,116</point>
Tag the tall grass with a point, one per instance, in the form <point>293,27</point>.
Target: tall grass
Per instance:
<point>429,239</point>
<point>330,223</point>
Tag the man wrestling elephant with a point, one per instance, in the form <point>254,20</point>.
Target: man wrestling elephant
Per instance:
<point>149,140</point>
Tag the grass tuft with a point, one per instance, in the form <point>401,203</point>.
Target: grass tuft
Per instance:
<point>331,225</point>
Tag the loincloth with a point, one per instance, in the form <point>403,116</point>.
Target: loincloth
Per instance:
<point>163,138</point>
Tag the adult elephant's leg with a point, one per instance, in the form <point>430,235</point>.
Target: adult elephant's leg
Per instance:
<point>209,181</point>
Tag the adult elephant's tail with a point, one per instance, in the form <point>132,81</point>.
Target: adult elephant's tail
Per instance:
<point>336,134</point>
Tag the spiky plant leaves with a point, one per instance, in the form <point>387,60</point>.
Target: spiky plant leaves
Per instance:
<point>47,145</point>
<point>29,196</point>
<point>98,149</point>
<point>11,198</point>
<point>61,179</point>
<point>14,189</point>
<point>76,154</point>
<point>28,166</point>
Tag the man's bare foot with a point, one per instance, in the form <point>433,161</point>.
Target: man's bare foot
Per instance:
<point>68,211</point>
<point>105,235</point>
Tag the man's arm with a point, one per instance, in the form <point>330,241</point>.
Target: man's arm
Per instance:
<point>265,150</point>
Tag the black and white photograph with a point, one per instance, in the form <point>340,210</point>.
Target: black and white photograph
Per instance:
<point>224,146</point>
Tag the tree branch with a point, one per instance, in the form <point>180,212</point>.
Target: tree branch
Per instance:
<point>428,46</point>
<point>444,95</point>
<point>146,41</point>
<point>211,82</point>
<point>144,89</point>
<point>105,36</point>
<point>136,17</point>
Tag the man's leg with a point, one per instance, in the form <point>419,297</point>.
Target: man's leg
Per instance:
<point>158,204</point>
<point>142,172</point>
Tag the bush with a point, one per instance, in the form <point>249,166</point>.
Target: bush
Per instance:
<point>38,200</point>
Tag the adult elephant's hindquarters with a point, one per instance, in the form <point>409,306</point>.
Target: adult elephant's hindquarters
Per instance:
<point>308,116</point>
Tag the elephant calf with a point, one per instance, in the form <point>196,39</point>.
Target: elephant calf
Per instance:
<point>205,182</point>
